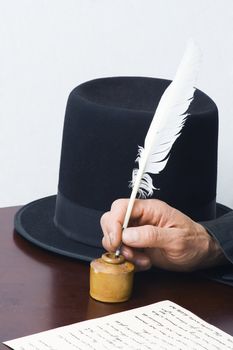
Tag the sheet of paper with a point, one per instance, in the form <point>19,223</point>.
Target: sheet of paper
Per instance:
<point>164,325</point>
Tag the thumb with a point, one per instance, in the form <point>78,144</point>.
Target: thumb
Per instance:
<point>148,236</point>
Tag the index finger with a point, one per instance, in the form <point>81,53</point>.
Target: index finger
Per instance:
<point>112,230</point>
<point>112,221</point>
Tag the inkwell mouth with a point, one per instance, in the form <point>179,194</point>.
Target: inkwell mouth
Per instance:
<point>111,258</point>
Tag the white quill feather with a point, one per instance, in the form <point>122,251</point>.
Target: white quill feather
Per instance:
<point>165,128</point>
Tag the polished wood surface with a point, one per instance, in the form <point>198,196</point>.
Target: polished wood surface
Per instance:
<point>40,290</point>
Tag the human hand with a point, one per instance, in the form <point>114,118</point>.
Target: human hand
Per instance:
<point>159,235</point>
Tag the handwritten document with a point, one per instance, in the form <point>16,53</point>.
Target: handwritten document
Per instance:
<point>164,325</point>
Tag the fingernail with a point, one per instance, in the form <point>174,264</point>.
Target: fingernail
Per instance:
<point>130,235</point>
<point>126,253</point>
<point>112,238</point>
<point>143,262</point>
<point>105,241</point>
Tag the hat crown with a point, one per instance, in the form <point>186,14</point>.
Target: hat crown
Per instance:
<point>106,119</point>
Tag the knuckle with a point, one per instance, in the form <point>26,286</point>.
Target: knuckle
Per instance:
<point>180,246</point>
<point>105,243</point>
<point>160,206</point>
<point>118,203</point>
<point>152,234</point>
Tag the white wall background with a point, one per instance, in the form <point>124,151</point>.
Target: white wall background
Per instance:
<point>49,47</point>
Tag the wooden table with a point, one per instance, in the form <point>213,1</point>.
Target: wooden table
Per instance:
<point>40,290</point>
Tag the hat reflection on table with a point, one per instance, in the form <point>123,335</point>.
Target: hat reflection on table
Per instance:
<point>105,121</point>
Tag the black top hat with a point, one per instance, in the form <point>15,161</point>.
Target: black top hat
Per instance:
<point>106,119</point>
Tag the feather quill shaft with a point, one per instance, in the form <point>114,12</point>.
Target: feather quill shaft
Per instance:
<point>165,128</point>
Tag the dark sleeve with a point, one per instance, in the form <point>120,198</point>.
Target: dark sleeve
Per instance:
<point>221,229</point>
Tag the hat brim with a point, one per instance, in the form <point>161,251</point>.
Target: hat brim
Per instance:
<point>35,222</point>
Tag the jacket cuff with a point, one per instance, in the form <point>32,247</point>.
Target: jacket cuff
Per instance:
<point>221,229</point>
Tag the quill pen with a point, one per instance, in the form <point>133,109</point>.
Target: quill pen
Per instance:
<point>165,128</point>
